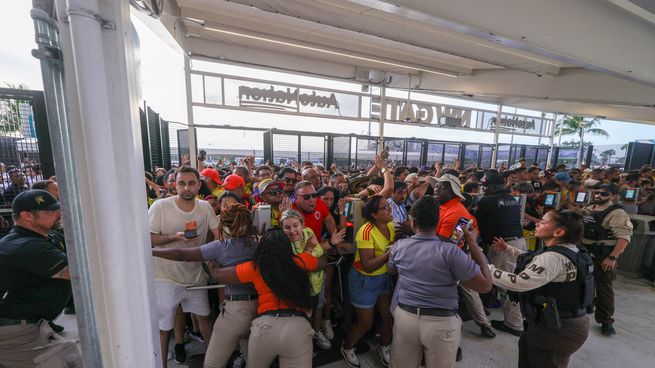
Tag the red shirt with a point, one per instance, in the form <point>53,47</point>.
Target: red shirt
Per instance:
<point>449,213</point>
<point>314,220</point>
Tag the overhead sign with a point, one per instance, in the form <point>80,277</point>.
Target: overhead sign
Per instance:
<point>515,122</point>
<point>242,93</point>
<point>287,100</point>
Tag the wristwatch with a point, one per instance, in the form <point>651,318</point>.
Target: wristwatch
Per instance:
<point>612,258</point>
<point>383,170</point>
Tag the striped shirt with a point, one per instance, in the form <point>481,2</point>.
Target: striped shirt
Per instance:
<point>398,211</point>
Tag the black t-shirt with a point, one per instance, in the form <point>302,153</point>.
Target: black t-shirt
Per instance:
<point>531,209</point>
<point>499,215</point>
<point>28,261</point>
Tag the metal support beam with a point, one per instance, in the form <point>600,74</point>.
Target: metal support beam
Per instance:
<point>112,274</point>
<point>494,154</point>
<point>193,144</point>
<point>551,140</point>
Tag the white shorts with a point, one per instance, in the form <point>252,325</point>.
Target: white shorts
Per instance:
<point>170,295</point>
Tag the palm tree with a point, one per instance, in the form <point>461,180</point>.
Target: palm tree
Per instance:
<point>579,126</point>
<point>605,155</point>
<point>10,120</point>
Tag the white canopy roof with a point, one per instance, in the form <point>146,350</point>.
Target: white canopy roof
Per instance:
<point>593,58</point>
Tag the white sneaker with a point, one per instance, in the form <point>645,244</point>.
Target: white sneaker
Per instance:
<point>350,357</point>
<point>322,341</point>
<point>385,354</point>
<point>327,329</point>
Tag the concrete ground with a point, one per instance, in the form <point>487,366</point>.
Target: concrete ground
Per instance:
<point>632,347</point>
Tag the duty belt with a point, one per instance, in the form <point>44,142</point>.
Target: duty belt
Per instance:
<point>434,312</point>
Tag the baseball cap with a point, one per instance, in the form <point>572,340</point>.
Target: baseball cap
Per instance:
<point>454,183</point>
<point>234,181</point>
<point>34,200</point>
<point>264,184</point>
<point>563,177</point>
<point>409,178</point>
<point>212,174</point>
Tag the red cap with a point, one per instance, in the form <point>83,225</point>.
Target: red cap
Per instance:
<point>233,181</point>
<point>212,174</point>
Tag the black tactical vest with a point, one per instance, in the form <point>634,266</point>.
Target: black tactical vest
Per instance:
<point>573,295</point>
<point>593,225</point>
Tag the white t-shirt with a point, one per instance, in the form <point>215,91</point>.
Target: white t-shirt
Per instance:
<point>166,218</point>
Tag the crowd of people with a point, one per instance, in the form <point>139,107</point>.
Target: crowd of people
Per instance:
<point>431,238</point>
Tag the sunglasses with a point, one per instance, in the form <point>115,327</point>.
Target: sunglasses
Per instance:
<point>603,194</point>
<point>290,180</point>
<point>308,196</point>
<point>274,191</point>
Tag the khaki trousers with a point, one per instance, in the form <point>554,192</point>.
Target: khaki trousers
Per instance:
<point>474,306</point>
<point>414,336</point>
<point>36,345</point>
<point>290,338</point>
<point>232,324</point>
<point>505,262</point>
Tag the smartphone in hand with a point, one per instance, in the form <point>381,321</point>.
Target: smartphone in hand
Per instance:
<point>463,224</point>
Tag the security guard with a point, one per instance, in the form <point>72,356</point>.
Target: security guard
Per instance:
<point>607,234</point>
<point>34,287</point>
<point>554,286</point>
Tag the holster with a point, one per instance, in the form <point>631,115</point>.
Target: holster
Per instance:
<point>600,251</point>
<point>544,309</point>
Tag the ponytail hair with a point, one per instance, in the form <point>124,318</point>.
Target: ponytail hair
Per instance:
<point>572,223</point>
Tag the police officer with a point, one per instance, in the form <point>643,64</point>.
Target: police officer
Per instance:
<point>607,234</point>
<point>554,286</point>
<point>34,287</point>
<point>499,217</point>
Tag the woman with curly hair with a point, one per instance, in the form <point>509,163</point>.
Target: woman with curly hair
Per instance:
<point>368,281</point>
<point>282,283</point>
<point>236,245</point>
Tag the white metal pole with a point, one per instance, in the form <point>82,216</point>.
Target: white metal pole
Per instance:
<point>383,114</point>
<point>551,140</point>
<point>494,154</point>
<point>193,145</point>
<point>101,84</point>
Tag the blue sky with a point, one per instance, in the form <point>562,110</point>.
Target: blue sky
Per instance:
<point>167,94</point>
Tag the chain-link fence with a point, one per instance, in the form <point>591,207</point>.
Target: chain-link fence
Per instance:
<point>25,152</point>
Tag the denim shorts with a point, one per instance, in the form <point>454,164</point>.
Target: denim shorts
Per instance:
<point>364,289</point>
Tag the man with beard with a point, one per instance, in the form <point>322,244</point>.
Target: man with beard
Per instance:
<point>499,216</point>
<point>607,232</point>
<point>34,287</point>
<point>181,221</point>
<point>272,193</point>
<point>287,176</point>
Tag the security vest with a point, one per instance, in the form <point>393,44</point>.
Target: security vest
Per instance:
<point>594,232</point>
<point>572,297</point>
